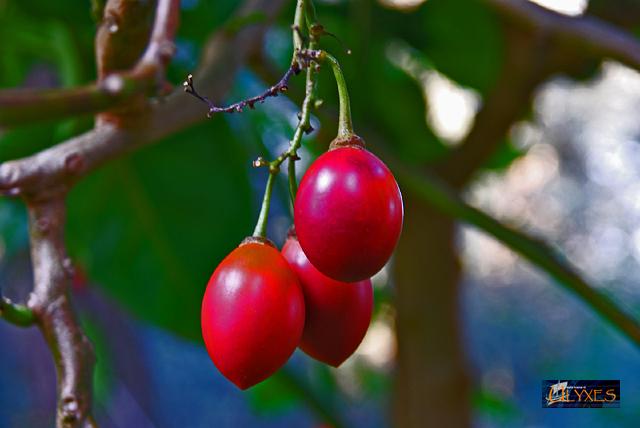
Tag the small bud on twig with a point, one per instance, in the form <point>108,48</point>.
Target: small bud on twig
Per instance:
<point>260,162</point>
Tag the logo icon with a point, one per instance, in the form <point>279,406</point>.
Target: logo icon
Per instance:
<point>580,393</point>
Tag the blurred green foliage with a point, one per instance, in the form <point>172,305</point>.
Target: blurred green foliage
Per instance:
<point>150,228</point>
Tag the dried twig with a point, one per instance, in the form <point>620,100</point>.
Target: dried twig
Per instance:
<point>273,91</point>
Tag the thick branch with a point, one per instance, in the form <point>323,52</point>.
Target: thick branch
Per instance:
<point>540,43</point>
<point>123,34</point>
<point>526,65</point>
<point>50,300</point>
<point>161,48</point>
<point>20,106</point>
<point>592,35</point>
<point>441,197</point>
<point>50,303</point>
<point>118,46</point>
<point>44,177</point>
<point>63,164</point>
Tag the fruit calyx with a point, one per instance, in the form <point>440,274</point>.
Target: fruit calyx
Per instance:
<point>351,140</point>
<point>257,240</point>
<point>291,233</point>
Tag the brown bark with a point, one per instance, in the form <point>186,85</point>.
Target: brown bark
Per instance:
<point>50,302</point>
<point>432,384</point>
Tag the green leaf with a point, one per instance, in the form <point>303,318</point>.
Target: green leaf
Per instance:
<point>463,39</point>
<point>151,228</point>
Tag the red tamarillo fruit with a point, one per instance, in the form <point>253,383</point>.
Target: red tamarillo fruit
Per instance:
<point>252,313</point>
<point>348,213</point>
<point>337,313</point>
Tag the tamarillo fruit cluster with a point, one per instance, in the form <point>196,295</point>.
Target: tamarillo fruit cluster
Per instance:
<point>315,294</point>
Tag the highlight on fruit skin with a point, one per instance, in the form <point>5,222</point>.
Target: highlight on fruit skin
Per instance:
<point>348,213</point>
<point>337,313</point>
<point>252,313</point>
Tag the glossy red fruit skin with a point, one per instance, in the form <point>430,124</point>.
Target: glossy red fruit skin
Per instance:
<point>337,313</point>
<point>348,213</point>
<point>252,313</point>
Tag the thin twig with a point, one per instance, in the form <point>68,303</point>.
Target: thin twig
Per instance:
<point>280,87</point>
<point>291,153</point>
<point>302,59</point>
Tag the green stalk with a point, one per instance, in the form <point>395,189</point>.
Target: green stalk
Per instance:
<point>345,127</point>
<point>293,182</point>
<point>304,124</point>
<point>16,314</point>
<point>298,25</point>
<point>311,14</point>
<point>261,226</point>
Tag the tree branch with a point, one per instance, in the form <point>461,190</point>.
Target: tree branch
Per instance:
<point>116,50</point>
<point>540,43</point>
<point>441,197</point>
<point>123,34</point>
<point>526,65</point>
<point>65,163</point>
<point>161,48</point>
<point>44,178</point>
<point>594,36</point>
<point>20,106</point>
<point>50,303</point>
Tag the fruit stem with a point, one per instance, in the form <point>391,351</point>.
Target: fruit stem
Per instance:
<point>298,25</point>
<point>305,14</point>
<point>311,14</point>
<point>345,127</point>
<point>261,226</point>
<point>301,20</point>
<point>293,182</point>
<point>304,126</point>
